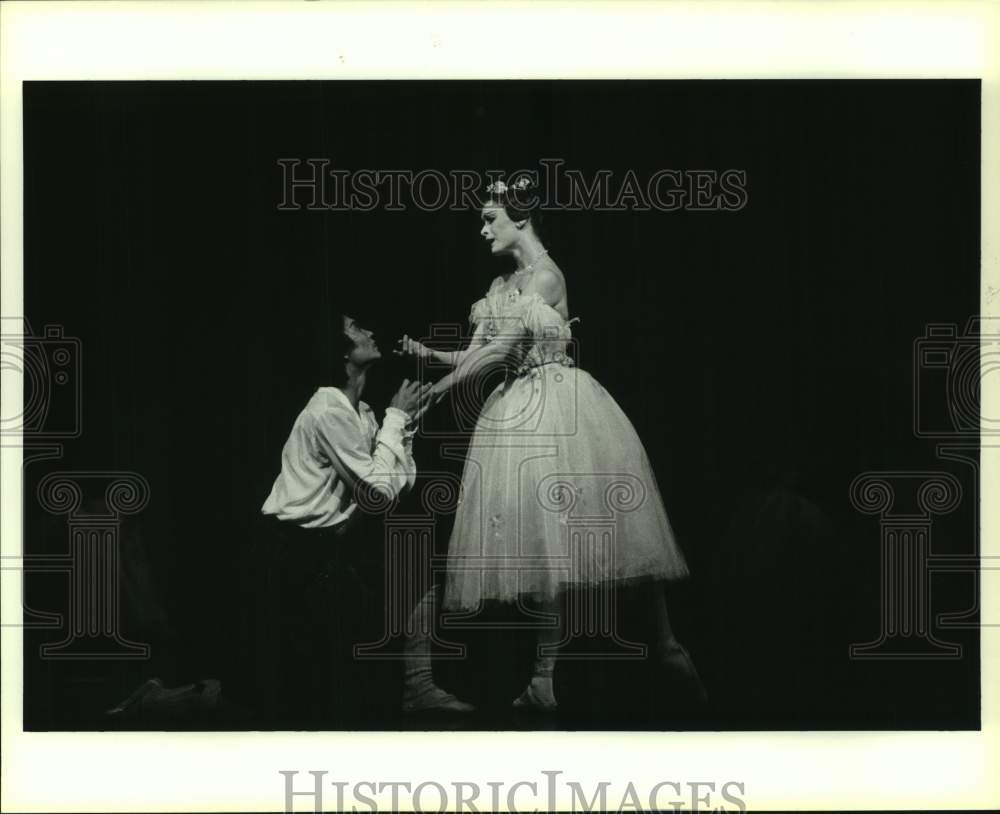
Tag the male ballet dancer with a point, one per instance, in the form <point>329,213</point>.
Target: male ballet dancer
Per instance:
<point>334,452</point>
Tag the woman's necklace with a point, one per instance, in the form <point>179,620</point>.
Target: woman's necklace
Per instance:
<point>531,265</point>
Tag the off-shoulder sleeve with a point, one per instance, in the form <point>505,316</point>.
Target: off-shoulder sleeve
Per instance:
<point>540,319</point>
<point>478,312</point>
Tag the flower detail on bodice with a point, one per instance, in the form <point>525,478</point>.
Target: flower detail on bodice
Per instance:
<point>542,334</point>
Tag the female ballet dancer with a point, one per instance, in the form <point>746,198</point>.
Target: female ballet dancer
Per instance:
<point>552,462</point>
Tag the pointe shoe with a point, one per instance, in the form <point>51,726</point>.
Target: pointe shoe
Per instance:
<point>536,701</point>
<point>435,701</point>
<point>677,664</point>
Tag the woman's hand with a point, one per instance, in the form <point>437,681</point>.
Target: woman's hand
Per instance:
<point>412,398</point>
<point>438,391</point>
<point>435,395</point>
<point>411,347</point>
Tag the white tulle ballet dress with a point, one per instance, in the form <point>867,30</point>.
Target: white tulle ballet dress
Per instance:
<point>557,489</point>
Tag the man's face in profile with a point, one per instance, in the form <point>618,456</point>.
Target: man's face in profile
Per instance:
<point>365,350</point>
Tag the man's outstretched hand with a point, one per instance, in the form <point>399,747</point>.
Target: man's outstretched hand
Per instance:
<point>413,398</point>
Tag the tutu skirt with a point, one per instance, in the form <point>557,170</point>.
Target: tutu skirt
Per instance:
<point>557,491</point>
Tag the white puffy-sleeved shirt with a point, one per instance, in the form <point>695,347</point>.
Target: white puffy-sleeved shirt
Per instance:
<point>331,447</point>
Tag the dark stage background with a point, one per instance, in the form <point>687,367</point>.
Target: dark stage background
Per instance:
<point>764,356</point>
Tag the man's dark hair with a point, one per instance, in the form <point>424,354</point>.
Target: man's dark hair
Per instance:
<point>339,346</point>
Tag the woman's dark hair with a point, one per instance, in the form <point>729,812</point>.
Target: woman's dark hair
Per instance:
<point>521,198</point>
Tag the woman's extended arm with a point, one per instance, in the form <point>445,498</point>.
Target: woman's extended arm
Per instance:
<point>477,360</point>
<point>548,288</point>
<point>411,347</point>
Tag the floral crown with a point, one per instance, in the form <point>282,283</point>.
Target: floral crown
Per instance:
<point>500,188</point>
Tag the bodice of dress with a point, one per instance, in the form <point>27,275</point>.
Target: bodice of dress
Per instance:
<point>542,335</point>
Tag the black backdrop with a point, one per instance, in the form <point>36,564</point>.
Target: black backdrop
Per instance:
<point>764,356</point>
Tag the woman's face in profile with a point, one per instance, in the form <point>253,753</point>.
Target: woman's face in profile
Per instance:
<point>498,229</point>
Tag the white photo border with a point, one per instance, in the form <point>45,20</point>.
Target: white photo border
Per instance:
<point>424,40</point>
